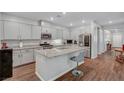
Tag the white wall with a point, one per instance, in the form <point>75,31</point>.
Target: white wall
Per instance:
<point>108,38</point>
<point>101,41</point>
<point>94,40</point>
<point>98,40</point>
<point>117,39</point>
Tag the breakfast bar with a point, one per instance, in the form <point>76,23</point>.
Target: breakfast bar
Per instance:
<point>53,63</point>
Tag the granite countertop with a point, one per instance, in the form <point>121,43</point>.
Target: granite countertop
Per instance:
<point>26,47</point>
<point>57,51</point>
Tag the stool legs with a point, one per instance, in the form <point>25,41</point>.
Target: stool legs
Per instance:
<point>77,72</point>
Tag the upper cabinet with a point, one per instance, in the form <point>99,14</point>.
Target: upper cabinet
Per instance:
<point>25,31</point>
<point>59,34</point>
<point>11,30</point>
<point>53,32</point>
<point>14,30</point>
<point>36,32</point>
<point>66,34</point>
<point>1,30</point>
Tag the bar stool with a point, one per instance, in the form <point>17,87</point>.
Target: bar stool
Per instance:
<point>77,59</point>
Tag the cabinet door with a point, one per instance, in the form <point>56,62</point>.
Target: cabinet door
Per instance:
<point>11,30</point>
<point>59,34</point>
<point>27,56</point>
<point>53,32</point>
<point>45,29</point>
<point>16,58</point>
<point>36,32</point>
<point>66,34</point>
<point>1,30</point>
<point>25,31</point>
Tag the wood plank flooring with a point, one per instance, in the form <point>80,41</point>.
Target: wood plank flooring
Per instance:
<point>24,73</point>
<point>103,68</point>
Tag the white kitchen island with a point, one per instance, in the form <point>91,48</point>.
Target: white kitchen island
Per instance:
<point>53,63</point>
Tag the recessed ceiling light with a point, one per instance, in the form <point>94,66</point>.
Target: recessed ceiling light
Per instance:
<point>71,24</point>
<point>51,18</point>
<point>63,13</point>
<point>110,22</point>
<point>83,21</point>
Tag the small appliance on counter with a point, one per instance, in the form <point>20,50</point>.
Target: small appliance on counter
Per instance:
<point>46,36</point>
<point>75,42</point>
<point>70,41</point>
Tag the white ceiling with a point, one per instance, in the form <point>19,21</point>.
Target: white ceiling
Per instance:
<point>76,17</point>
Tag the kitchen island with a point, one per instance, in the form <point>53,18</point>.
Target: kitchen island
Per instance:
<point>53,63</point>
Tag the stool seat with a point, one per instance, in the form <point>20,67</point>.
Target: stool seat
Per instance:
<point>73,58</point>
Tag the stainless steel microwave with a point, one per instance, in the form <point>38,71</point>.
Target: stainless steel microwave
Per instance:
<point>45,36</point>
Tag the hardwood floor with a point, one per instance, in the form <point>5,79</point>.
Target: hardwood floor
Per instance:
<point>103,68</point>
<point>24,73</point>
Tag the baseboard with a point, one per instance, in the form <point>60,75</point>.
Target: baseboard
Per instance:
<point>24,64</point>
<point>39,76</point>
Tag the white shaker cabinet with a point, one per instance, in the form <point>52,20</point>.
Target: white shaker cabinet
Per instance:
<point>1,30</point>
<point>66,34</point>
<point>36,32</point>
<point>27,56</point>
<point>11,30</point>
<point>53,32</point>
<point>25,31</point>
<point>21,57</point>
<point>59,34</point>
<point>45,29</point>
<point>17,57</point>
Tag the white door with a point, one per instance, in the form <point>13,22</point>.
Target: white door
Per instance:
<point>11,30</point>
<point>117,40</point>
<point>25,31</point>
<point>36,32</point>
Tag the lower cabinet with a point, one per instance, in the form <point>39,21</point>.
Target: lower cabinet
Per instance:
<point>27,56</point>
<point>16,58</point>
<point>87,53</point>
<point>21,57</point>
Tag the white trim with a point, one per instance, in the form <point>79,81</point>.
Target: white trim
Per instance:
<point>54,78</point>
<point>94,57</point>
<point>38,75</point>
